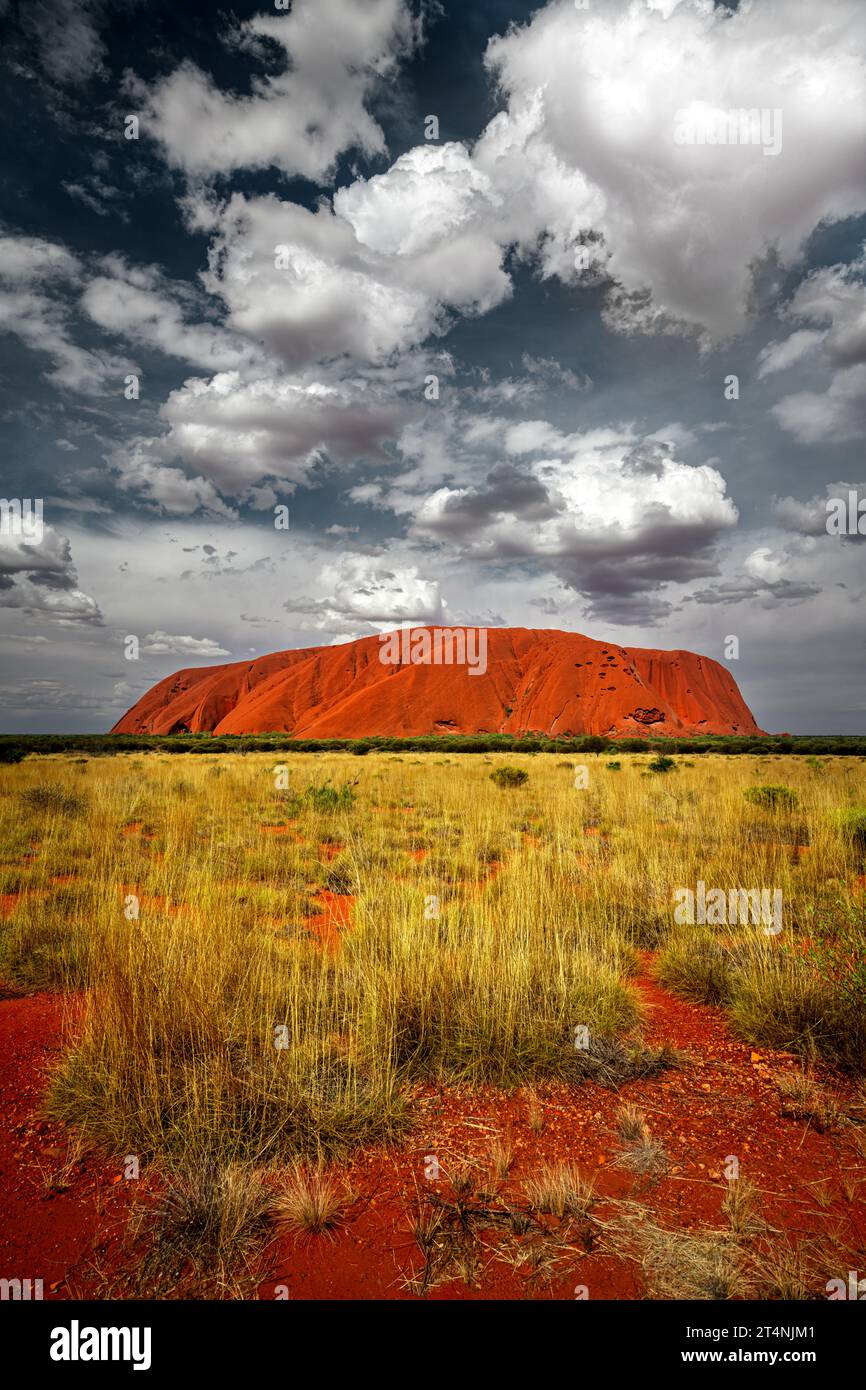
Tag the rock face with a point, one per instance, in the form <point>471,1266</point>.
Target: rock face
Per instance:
<point>543,681</point>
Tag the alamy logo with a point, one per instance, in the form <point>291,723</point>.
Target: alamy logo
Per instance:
<point>855,1288</point>
<point>20,1290</point>
<point>22,518</point>
<point>846,516</point>
<point>437,646</point>
<point>77,1343</point>
<point>700,124</point>
<point>717,907</point>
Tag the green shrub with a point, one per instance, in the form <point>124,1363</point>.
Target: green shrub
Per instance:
<point>509,776</point>
<point>613,767</point>
<point>661,763</point>
<point>340,879</point>
<point>785,1002</point>
<point>41,948</point>
<point>324,798</point>
<point>773,798</point>
<point>54,799</point>
<point>835,946</point>
<point>696,966</point>
<point>852,826</point>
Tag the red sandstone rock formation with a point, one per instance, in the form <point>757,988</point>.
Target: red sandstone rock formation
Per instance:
<point>557,683</point>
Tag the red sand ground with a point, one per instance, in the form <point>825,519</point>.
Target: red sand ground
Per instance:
<point>63,1212</point>
<point>64,1223</point>
<point>557,683</point>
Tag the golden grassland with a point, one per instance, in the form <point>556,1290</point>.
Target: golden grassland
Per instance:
<point>488,924</point>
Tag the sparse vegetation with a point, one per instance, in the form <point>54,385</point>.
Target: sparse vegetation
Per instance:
<point>745,1257</point>
<point>804,1098</point>
<point>852,826</point>
<point>773,798</point>
<point>560,1190</point>
<point>208,1215</point>
<point>696,965</point>
<point>641,1151</point>
<point>509,776</point>
<point>702,1264</point>
<point>463,1230</point>
<point>631,1123</point>
<point>662,763</point>
<point>274,977</point>
<point>534,1111</point>
<point>309,1202</point>
<point>501,1158</point>
<point>51,798</point>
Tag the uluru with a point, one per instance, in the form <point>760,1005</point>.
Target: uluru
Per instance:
<point>534,680</point>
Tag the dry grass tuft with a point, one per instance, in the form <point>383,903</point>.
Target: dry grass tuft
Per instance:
<point>704,1264</point>
<point>501,1158</point>
<point>211,1217</point>
<point>631,1123</point>
<point>804,1098</point>
<point>460,1232</point>
<point>745,1258</point>
<point>560,1190</point>
<point>309,1202</point>
<point>534,1111</point>
<point>740,1206</point>
<point>643,1154</point>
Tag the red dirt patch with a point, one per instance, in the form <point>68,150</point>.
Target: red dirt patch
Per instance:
<point>9,901</point>
<point>282,829</point>
<point>60,1213</point>
<point>136,827</point>
<point>725,1101</point>
<point>334,917</point>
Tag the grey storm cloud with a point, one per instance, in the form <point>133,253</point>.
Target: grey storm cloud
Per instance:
<point>42,579</point>
<point>810,518</point>
<point>613,518</point>
<point>738,590</point>
<point>506,490</point>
